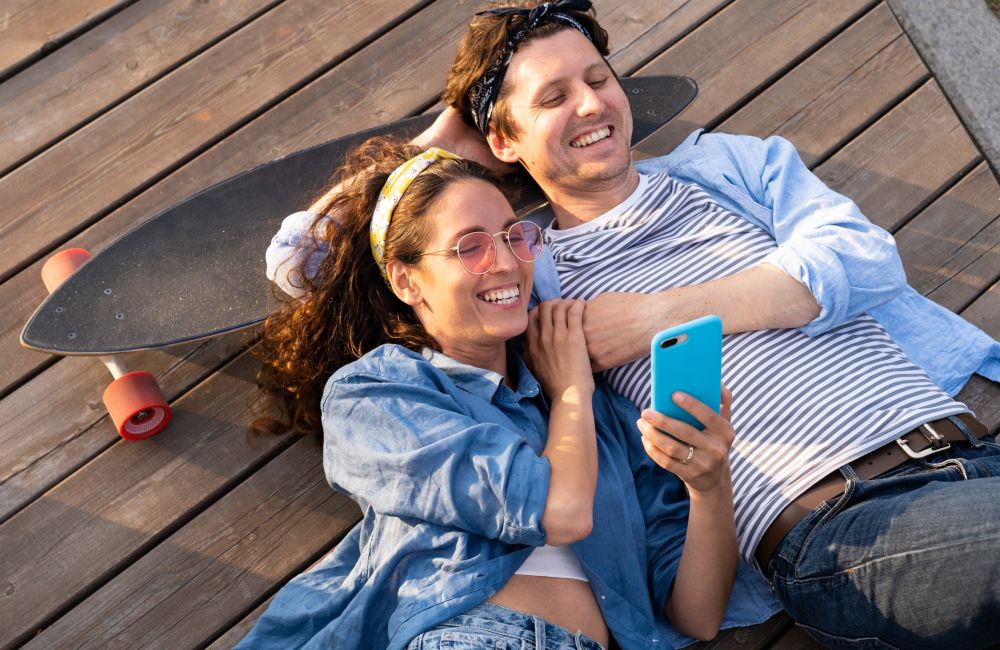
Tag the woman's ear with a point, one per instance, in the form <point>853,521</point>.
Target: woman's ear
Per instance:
<point>502,147</point>
<point>402,280</point>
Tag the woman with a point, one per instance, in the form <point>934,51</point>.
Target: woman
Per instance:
<point>501,504</point>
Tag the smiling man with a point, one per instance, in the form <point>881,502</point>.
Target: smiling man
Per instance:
<point>864,494</point>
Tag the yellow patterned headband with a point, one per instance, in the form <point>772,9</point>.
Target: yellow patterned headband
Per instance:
<point>397,183</point>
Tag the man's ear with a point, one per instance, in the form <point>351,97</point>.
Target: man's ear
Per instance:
<point>502,147</point>
<point>402,282</point>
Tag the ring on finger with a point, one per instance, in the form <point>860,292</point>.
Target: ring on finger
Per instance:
<point>689,456</point>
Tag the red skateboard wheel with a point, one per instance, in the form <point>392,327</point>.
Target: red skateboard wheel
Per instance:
<point>137,406</point>
<point>62,265</point>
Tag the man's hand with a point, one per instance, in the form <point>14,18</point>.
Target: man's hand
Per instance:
<point>619,326</point>
<point>450,132</point>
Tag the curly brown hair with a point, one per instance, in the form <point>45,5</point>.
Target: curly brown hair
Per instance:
<point>483,44</point>
<point>348,310</point>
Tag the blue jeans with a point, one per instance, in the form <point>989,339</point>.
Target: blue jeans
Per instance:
<point>493,626</point>
<point>910,559</point>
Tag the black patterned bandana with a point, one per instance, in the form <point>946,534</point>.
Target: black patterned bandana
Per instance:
<point>486,89</point>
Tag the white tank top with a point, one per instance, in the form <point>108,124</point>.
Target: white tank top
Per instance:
<point>553,562</point>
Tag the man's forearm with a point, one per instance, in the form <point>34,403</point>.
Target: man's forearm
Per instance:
<point>619,326</point>
<point>759,298</point>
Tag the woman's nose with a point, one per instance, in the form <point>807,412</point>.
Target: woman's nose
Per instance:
<point>505,260</point>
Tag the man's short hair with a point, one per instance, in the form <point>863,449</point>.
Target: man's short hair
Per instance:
<point>485,42</point>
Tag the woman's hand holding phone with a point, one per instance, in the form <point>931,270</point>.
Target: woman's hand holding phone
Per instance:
<point>669,442</point>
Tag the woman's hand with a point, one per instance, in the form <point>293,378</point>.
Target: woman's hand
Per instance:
<point>670,442</point>
<point>557,350</point>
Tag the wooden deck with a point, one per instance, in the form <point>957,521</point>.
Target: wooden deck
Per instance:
<point>114,109</point>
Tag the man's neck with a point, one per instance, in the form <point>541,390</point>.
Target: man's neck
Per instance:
<point>574,206</point>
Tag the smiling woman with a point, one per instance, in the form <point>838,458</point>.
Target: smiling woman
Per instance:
<point>505,498</point>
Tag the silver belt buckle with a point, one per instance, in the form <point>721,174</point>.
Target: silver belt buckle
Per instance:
<point>938,443</point>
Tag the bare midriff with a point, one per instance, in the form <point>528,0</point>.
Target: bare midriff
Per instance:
<point>562,601</point>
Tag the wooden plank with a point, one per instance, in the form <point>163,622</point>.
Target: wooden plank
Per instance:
<point>795,638</point>
<point>951,250</point>
<point>902,162</point>
<point>983,397</point>
<point>369,79</point>
<point>120,56</point>
<point>31,28</point>
<point>838,91</point>
<point>221,563</point>
<point>755,637</point>
<point>234,634</point>
<point>97,521</point>
<point>741,50</point>
<point>370,88</point>
<point>639,30</point>
<point>984,313</point>
<point>74,424</point>
<point>145,137</point>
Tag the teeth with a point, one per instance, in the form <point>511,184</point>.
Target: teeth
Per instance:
<point>591,138</point>
<point>502,297</point>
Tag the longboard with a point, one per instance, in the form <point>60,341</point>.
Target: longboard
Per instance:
<point>196,269</point>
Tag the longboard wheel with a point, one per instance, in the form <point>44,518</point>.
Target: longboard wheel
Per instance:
<point>62,265</point>
<point>137,406</point>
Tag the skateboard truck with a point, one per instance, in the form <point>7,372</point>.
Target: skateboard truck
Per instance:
<point>133,399</point>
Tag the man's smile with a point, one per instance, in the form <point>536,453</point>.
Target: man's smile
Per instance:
<point>588,139</point>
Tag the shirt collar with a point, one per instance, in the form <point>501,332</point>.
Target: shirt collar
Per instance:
<point>480,381</point>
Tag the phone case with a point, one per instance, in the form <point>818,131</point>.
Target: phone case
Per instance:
<point>688,358</point>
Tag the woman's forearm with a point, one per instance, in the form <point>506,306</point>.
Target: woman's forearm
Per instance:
<point>572,453</point>
<point>707,568</point>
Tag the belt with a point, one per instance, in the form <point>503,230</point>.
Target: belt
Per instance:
<point>923,441</point>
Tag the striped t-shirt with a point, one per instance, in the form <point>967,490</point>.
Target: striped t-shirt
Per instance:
<point>802,406</point>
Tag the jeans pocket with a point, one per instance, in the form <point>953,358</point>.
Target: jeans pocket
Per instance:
<point>458,638</point>
<point>845,643</point>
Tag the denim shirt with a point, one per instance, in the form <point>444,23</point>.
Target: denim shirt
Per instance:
<point>444,461</point>
<point>848,263</point>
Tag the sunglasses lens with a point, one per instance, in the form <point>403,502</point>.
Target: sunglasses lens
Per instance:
<point>476,252</point>
<point>525,240</point>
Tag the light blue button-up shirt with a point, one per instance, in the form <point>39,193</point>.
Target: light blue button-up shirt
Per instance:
<point>444,461</point>
<point>849,264</point>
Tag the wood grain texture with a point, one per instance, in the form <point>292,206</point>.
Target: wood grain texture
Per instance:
<point>31,28</point>
<point>95,71</point>
<point>741,50</point>
<point>76,425</point>
<point>951,250</point>
<point>100,519</point>
<point>220,563</point>
<point>902,162</point>
<point>835,93</point>
<point>75,182</point>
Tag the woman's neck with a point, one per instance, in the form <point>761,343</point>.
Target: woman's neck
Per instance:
<point>493,358</point>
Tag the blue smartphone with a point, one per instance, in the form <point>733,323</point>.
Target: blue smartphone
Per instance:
<point>688,358</point>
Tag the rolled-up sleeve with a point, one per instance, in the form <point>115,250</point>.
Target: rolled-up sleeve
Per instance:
<point>824,241</point>
<point>407,449</point>
<point>287,251</point>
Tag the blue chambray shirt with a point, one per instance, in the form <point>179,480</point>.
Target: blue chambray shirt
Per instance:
<point>444,461</point>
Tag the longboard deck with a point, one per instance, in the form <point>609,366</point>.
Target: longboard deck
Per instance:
<point>196,270</point>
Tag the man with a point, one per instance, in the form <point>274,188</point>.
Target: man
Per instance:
<point>817,315</point>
